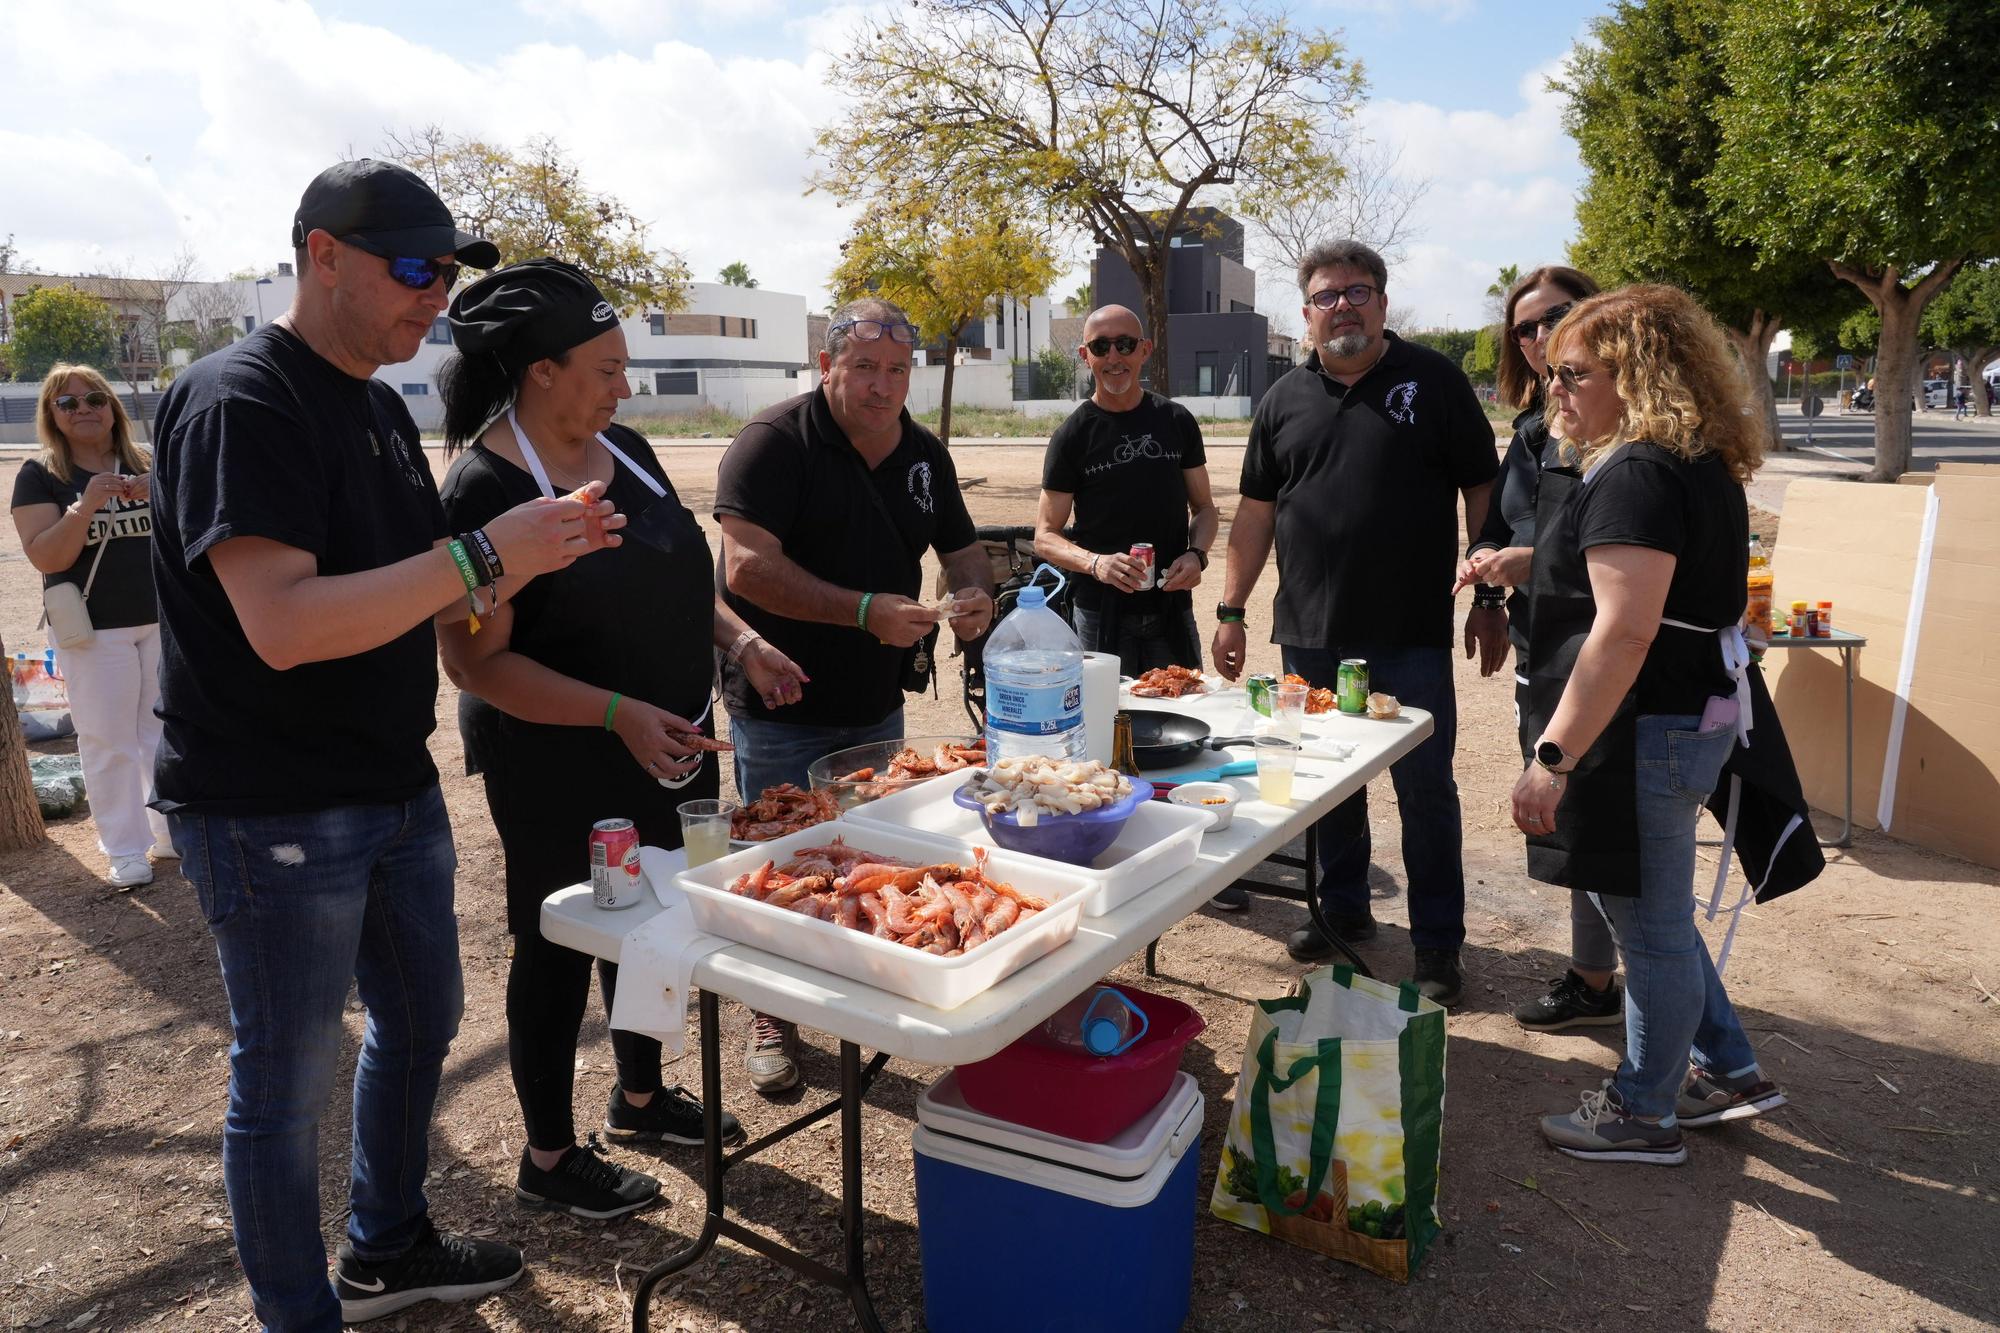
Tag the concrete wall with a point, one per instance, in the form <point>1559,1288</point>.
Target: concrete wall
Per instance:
<point>975,385</point>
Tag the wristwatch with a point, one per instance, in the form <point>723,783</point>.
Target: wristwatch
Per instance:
<point>1227,614</point>
<point>1200,557</point>
<point>1553,757</point>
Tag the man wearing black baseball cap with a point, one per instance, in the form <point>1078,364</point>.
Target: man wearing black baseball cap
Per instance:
<point>300,555</point>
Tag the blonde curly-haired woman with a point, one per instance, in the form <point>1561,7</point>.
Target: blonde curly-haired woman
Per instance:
<point>83,509</point>
<point>1637,683</point>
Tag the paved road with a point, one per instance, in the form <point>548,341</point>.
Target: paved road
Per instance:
<point>1935,438</point>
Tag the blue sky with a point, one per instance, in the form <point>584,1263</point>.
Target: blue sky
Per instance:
<point>698,113</point>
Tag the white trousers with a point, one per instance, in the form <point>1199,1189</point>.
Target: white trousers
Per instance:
<point>114,684</point>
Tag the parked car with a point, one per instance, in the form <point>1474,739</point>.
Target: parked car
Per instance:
<point>1937,393</point>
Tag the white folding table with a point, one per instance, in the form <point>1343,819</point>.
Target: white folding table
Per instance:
<point>860,1015</point>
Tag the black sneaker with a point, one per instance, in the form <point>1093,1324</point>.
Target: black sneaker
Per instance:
<point>1437,976</point>
<point>1571,1003</point>
<point>1235,898</point>
<point>1307,945</point>
<point>439,1267</point>
<point>672,1115</point>
<point>585,1184</point>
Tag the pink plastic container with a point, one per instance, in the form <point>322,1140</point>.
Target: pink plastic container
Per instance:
<point>1077,1095</point>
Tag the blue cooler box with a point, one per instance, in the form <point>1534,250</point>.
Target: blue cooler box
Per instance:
<point>1111,1225</point>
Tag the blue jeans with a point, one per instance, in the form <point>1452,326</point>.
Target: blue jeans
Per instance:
<point>1426,795</point>
<point>768,752</point>
<point>1674,1002</point>
<point>1142,642</point>
<point>300,906</point>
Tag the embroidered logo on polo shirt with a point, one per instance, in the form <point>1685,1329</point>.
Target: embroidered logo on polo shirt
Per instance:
<point>919,482</point>
<point>1401,403</point>
<point>601,312</point>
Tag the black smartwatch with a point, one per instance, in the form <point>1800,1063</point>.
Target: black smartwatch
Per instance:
<point>1200,557</point>
<point>1553,757</point>
<point>1228,615</point>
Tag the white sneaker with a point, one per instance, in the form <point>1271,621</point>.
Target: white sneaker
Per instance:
<point>129,872</point>
<point>163,851</point>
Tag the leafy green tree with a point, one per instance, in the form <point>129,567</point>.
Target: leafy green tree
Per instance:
<point>1865,133</point>
<point>1641,105</point>
<point>1078,301</point>
<point>1453,343</point>
<point>1483,359</point>
<point>533,202</point>
<point>736,274</point>
<point>10,257</point>
<point>53,324</point>
<point>944,266</point>
<point>1965,319</point>
<point>1114,118</point>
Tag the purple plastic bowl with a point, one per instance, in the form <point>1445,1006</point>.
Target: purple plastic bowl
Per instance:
<point>1076,839</point>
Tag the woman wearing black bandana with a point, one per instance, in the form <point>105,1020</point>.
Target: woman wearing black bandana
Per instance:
<point>585,696</point>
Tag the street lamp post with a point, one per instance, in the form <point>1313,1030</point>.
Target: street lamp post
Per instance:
<point>259,287</point>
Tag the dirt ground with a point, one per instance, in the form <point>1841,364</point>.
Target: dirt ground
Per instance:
<point>1869,1204</point>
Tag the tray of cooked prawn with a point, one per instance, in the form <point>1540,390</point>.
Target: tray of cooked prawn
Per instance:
<point>932,919</point>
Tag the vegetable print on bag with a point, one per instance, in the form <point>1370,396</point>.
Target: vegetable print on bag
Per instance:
<point>1334,1140</point>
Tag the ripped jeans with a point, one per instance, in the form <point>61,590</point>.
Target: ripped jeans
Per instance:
<point>301,906</point>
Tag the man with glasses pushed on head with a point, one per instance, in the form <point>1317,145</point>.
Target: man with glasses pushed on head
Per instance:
<point>1356,462</point>
<point>827,504</point>
<point>300,555</point>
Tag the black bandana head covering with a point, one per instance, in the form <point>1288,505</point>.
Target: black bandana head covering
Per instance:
<point>529,311</point>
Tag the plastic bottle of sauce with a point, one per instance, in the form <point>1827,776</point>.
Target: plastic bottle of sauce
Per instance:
<point>1823,620</point>
<point>1797,626</point>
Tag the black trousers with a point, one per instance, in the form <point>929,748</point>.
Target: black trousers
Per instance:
<point>548,987</point>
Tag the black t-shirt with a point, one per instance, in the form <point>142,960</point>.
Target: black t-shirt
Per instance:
<point>1125,471</point>
<point>1510,509</point>
<point>793,472</point>
<point>267,439</point>
<point>1366,480</point>
<point>637,618</point>
<point>1643,495</point>
<point>122,593</point>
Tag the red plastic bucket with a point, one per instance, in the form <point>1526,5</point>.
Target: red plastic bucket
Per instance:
<point>1078,1095</point>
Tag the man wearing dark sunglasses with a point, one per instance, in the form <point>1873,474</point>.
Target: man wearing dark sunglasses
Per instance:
<point>300,554</point>
<point>1356,464</point>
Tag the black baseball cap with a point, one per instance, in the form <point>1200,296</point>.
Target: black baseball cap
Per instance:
<point>391,208</point>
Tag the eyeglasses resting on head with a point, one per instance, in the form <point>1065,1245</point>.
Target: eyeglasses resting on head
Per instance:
<point>1124,342</point>
<point>871,330</point>
<point>1546,321</point>
<point>1357,296</point>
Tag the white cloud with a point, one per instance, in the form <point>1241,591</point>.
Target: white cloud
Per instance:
<point>649,20</point>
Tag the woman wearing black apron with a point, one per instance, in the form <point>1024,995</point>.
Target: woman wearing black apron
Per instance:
<point>1636,692</point>
<point>1587,994</point>
<point>585,696</point>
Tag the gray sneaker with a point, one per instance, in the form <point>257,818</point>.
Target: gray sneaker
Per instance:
<point>771,1056</point>
<point>1710,1099</point>
<point>1601,1131</point>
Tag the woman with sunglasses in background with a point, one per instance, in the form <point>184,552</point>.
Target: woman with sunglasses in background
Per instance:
<point>1639,694</point>
<point>84,512</point>
<point>586,696</point>
<point>1587,994</point>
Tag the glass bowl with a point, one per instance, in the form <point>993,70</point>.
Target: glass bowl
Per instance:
<point>1077,839</point>
<point>833,772</point>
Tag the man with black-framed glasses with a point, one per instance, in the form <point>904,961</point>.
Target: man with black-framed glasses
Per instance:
<point>1356,463</point>
<point>300,554</point>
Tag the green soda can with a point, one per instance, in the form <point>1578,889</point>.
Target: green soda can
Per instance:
<point>1353,685</point>
<point>1259,689</point>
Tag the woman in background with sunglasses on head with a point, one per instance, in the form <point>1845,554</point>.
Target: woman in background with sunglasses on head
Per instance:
<point>84,512</point>
<point>1637,692</point>
<point>1587,994</point>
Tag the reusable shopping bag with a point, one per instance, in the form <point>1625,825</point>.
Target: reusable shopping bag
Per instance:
<point>1334,1139</point>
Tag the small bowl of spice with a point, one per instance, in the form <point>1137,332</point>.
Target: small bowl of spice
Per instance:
<point>1215,797</point>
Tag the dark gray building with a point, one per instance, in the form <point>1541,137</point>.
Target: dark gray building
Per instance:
<point>1217,343</point>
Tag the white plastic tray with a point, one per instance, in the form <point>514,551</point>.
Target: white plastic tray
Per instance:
<point>942,983</point>
<point>1159,840</point>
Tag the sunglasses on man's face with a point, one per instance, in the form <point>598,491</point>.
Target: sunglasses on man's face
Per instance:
<point>1124,342</point>
<point>69,402</point>
<point>871,330</point>
<point>416,274</point>
<point>1357,296</point>
<point>1547,321</point>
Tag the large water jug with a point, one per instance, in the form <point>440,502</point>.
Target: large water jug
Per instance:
<point>1034,681</point>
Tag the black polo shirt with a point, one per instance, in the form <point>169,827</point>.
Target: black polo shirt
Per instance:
<point>1366,480</point>
<point>792,471</point>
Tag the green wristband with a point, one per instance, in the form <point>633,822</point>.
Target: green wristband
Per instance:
<point>861,612</point>
<point>1229,620</point>
<point>611,709</point>
<point>464,563</point>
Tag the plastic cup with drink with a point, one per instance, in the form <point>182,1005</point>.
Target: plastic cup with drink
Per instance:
<point>705,830</point>
<point>1288,710</point>
<point>1277,758</point>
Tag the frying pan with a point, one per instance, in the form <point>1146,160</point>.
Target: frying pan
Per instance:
<point>1168,740</point>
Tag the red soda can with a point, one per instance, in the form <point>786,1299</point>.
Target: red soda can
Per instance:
<point>1143,553</point>
<point>615,879</point>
